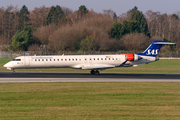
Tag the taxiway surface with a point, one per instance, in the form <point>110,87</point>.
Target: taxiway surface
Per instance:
<point>86,77</point>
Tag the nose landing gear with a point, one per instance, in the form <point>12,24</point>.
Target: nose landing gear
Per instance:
<point>94,72</point>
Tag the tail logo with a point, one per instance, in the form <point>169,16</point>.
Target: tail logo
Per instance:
<point>154,48</point>
<point>152,52</point>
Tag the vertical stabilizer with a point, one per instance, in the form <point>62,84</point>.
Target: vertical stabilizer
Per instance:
<point>154,48</point>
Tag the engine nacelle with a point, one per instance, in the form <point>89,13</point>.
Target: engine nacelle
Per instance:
<point>132,57</point>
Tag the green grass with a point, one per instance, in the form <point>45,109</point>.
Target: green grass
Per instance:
<point>161,66</point>
<point>90,101</point>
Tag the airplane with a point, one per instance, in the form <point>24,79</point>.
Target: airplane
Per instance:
<point>90,62</point>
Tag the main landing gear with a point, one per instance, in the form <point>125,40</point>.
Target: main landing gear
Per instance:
<point>94,72</point>
<point>14,71</point>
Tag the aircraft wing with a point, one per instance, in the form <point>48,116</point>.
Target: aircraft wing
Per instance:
<point>98,67</point>
<point>103,66</point>
<point>122,65</point>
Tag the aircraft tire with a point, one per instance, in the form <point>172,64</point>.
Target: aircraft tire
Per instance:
<point>14,71</point>
<point>97,72</point>
<point>92,72</point>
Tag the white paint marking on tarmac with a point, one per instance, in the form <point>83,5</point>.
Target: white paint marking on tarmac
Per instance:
<point>7,80</point>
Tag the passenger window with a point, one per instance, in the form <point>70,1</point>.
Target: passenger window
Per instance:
<point>39,60</point>
<point>65,59</point>
<point>69,59</point>
<point>116,58</point>
<point>109,58</point>
<point>50,59</point>
<point>97,58</point>
<point>113,59</point>
<point>72,59</point>
<point>42,59</point>
<point>61,59</point>
<point>79,59</point>
<point>57,59</point>
<point>101,58</point>
<point>76,59</point>
<point>46,59</point>
<point>94,59</point>
<point>105,58</point>
<point>35,60</point>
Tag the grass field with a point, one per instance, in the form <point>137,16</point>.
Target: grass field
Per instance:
<point>90,101</point>
<point>161,66</point>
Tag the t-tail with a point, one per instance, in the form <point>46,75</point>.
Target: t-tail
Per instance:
<point>154,48</point>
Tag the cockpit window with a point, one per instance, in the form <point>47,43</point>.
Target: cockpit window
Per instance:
<point>16,60</point>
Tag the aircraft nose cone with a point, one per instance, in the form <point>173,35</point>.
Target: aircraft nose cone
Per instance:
<point>6,65</point>
<point>9,66</point>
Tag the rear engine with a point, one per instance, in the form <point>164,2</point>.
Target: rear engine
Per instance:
<point>132,57</point>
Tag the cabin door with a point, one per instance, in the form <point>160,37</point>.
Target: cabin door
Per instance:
<point>26,61</point>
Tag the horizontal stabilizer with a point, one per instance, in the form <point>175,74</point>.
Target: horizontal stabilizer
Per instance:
<point>164,43</point>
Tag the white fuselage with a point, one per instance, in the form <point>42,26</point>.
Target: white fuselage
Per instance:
<point>92,62</point>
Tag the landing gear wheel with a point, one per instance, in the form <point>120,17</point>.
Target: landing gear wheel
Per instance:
<point>94,72</point>
<point>14,71</point>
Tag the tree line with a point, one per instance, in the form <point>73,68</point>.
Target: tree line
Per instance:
<point>61,29</point>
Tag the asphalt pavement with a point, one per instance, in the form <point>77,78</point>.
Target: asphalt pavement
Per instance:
<point>87,77</point>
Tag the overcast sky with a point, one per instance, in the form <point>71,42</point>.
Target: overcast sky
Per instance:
<point>118,6</point>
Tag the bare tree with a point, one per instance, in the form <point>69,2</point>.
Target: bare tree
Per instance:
<point>109,13</point>
<point>38,16</point>
<point>68,37</point>
<point>124,16</point>
<point>66,10</point>
<point>135,41</point>
<point>151,17</point>
<point>42,34</point>
<point>8,23</point>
